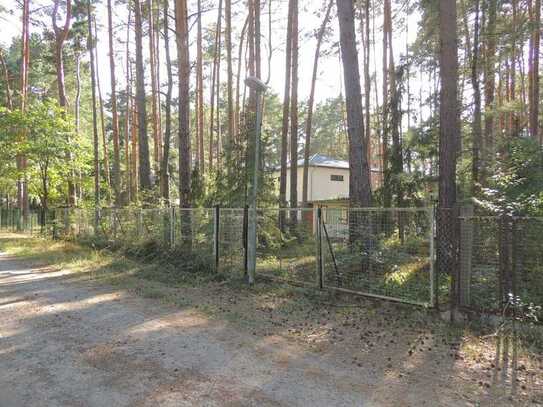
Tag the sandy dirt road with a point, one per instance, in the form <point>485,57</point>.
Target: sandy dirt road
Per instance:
<point>67,343</point>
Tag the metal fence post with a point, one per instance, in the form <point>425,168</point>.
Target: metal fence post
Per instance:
<point>320,263</point>
<point>245,228</point>
<point>433,273</point>
<point>216,233</point>
<point>66,222</point>
<point>465,243</point>
<point>172,226</point>
<point>114,222</point>
<point>140,223</point>
<point>54,231</point>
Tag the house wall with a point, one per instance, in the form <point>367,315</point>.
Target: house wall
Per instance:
<point>320,186</point>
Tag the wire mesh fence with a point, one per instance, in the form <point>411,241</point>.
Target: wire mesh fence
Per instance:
<point>499,257</point>
<point>287,245</point>
<point>367,251</point>
<point>385,253</point>
<point>380,252</point>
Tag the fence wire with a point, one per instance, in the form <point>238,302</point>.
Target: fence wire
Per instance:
<point>384,253</point>
<point>377,252</point>
<point>287,246</point>
<point>500,256</point>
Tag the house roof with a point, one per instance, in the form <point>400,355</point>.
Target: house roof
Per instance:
<point>321,160</point>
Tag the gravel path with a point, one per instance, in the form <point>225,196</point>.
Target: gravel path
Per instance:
<point>73,343</point>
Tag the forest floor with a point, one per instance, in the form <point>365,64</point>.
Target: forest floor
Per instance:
<point>81,327</point>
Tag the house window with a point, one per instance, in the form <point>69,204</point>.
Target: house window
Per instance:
<point>336,178</point>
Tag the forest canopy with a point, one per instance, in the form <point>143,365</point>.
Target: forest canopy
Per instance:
<point>144,102</point>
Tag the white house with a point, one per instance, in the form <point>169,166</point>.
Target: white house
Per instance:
<point>328,179</point>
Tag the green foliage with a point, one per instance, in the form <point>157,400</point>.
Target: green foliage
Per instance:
<point>44,135</point>
<point>517,186</point>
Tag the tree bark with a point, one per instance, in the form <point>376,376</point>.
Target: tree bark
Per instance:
<point>94,116</point>
<point>155,122</point>
<point>489,88</point>
<point>229,79</point>
<point>294,113</point>
<point>143,142</point>
<point>214,87</point>
<point>534,74</point>
<point>105,144</point>
<point>181,23</point>
<point>200,94</point>
<point>367,78</point>
<point>359,180</point>
<point>387,28</point>
<point>311,102</point>
<point>237,112</point>
<point>61,34</point>
<point>165,177</point>
<point>9,100</point>
<point>476,125</point>
<point>21,161</point>
<point>449,132</point>
<point>128,113</point>
<point>115,117</point>
<point>286,110</point>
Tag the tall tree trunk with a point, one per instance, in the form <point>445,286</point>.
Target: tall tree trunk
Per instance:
<point>229,79</point>
<point>387,25</point>
<point>115,117</point>
<point>218,124</point>
<point>200,94</point>
<point>449,132</point>
<point>77,113</point>
<point>128,113</point>
<point>181,24</point>
<point>257,36</point>
<point>515,124</point>
<point>311,102</point>
<point>143,142</point>
<point>105,144</point>
<point>286,110</point>
<point>294,113</point>
<point>394,110</point>
<point>359,180</point>
<point>22,182</point>
<point>5,72</point>
<point>216,57</point>
<point>61,34</point>
<point>489,88</point>
<point>534,74</point>
<point>367,78</point>
<point>94,116</point>
<point>476,127</point>
<point>237,112</point>
<point>155,122</point>
<point>165,177</point>
<point>135,153</point>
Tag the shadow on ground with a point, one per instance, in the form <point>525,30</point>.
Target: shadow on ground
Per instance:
<point>81,336</point>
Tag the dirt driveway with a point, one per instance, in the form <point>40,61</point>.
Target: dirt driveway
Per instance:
<point>68,340</point>
<point>74,344</point>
